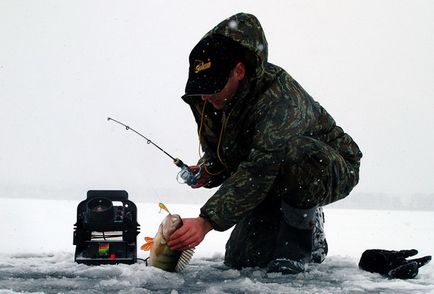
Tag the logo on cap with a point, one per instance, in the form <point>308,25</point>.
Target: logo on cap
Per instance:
<point>200,65</point>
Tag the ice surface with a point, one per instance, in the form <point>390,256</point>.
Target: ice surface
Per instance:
<point>36,255</point>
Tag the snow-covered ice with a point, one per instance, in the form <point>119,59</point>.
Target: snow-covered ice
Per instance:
<point>36,255</point>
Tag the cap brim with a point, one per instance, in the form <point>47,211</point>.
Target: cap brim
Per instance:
<point>204,85</point>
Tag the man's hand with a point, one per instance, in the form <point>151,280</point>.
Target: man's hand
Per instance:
<point>190,235</point>
<point>204,176</point>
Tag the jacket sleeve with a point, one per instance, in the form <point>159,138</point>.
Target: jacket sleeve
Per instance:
<point>248,186</point>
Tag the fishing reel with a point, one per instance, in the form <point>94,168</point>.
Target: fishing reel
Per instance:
<point>185,175</point>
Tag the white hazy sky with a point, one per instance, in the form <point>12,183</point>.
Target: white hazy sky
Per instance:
<point>65,66</point>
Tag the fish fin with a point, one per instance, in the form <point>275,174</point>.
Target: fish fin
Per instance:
<point>184,259</point>
<point>148,245</point>
<point>159,249</point>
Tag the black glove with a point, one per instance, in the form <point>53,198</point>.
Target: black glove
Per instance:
<point>392,264</point>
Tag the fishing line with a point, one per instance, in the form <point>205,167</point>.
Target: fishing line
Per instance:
<point>186,175</point>
<point>147,140</point>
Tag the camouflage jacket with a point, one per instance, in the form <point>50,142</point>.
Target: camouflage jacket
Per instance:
<point>245,143</point>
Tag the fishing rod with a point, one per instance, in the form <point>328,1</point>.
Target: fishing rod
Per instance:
<point>187,176</point>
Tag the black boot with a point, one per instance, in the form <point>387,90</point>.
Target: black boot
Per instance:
<point>320,246</point>
<point>293,250</point>
<point>295,240</point>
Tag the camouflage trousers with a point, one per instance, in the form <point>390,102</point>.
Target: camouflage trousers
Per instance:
<point>313,175</point>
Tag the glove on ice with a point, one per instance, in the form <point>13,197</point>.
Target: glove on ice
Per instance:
<point>392,264</point>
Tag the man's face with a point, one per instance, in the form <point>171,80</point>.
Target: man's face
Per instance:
<point>218,100</point>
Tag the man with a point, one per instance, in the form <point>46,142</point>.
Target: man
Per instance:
<point>276,154</point>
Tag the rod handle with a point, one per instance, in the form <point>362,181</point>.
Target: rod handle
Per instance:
<point>178,162</point>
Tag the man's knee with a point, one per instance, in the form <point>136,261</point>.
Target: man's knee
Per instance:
<point>314,174</point>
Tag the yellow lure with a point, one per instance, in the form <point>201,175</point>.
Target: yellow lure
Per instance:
<point>163,207</point>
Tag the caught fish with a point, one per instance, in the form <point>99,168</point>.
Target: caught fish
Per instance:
<point>161,255</point>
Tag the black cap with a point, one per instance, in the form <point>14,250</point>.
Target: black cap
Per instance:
<point>211,62</point>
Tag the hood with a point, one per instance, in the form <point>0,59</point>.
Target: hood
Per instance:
<point>246,30</point>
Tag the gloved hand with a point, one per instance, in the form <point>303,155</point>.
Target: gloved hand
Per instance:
<point>203,178</point>
<point>392,264</point>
